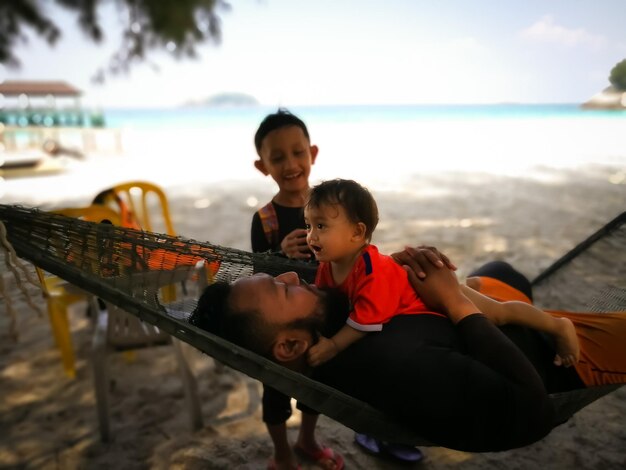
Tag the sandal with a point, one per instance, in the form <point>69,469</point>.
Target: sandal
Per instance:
<point>324,454</point>
<point>399,452</point>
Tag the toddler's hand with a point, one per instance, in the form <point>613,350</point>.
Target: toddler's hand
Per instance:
<point>294,245</point>
<point>323,351</point>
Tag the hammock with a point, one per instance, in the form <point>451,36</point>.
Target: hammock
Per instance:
<point>123,266</point>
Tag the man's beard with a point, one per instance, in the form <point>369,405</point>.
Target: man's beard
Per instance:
<point>335,307</point>
<point>329,317</point>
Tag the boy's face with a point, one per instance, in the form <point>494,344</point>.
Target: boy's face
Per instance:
<point>287,156</point>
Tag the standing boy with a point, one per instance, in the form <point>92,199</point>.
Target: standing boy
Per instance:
<point>286,154</point>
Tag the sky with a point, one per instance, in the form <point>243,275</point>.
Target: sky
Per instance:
<point>358,52</point>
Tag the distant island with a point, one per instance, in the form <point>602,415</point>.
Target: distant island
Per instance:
<point>225,100</point>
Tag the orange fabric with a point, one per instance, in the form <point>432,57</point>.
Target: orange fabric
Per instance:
<point>163,259</point>
<point>119,258</point>
<point>500,291</point>
<point>602,336</point>
<point>156,259</point>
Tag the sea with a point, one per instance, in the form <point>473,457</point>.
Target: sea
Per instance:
<point>383,147</point>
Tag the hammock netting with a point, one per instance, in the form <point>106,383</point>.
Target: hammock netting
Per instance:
<point>127,267</point>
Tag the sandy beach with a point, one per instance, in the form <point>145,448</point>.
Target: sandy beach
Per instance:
<point>48,421</point>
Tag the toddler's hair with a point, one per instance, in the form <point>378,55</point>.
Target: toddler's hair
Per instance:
<point>281,118</point>
<point>357,201</point>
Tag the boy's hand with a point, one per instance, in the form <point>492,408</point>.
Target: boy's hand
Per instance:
<point>323,351</point>
<point>409,257</point>
<point>294,245</point>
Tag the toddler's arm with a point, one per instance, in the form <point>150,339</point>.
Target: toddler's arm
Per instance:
<point>327,348</point>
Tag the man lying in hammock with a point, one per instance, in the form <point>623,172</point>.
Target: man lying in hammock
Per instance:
<point>458,381</point>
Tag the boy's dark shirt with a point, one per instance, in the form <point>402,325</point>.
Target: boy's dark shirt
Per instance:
<point>289,219</point>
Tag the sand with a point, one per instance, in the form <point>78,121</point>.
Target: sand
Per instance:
<point>48,421</point>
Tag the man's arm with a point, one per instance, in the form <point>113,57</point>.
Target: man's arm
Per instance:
<point>441,380</point>
<point>431,255</point>
<point>484,343</point>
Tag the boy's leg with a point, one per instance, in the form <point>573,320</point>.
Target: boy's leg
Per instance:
<point>306,436</point>
<point>309,448</point>
<point>276,412</point>
<point>283,453</point>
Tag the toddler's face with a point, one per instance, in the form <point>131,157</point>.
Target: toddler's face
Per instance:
<point>287,156</point>
<point>330,234</point>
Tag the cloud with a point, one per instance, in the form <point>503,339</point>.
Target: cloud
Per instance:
<point>546,30</point>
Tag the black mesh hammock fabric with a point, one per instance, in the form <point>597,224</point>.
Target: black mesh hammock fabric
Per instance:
<point>125,266</point>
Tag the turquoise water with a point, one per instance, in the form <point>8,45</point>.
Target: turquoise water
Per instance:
<point>381,146</point>
<point>177,118</point>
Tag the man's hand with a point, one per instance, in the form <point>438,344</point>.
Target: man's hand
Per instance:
<point>439,288</point>
<point>431,257</point>
<point>323,351</point>
<point>294,245</point>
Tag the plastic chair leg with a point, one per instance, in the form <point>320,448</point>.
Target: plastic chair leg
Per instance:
<point>57,312</point>
<point>190,387</point>
<point>100,377</point>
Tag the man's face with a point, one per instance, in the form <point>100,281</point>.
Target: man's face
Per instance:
<point>281,299</point>
<point>287,156</point>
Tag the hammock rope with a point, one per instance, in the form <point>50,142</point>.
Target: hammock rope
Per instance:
<point>123,266</point>
<point>15,266</point>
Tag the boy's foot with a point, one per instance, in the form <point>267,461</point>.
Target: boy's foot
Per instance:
<point>567,347</point>
<point>324,457</point>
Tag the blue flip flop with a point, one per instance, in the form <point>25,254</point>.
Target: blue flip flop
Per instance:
<point>400,452</point>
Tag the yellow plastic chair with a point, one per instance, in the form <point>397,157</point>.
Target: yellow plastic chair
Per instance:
<point>146,202</point>
<point>144,205</point>
<point>60,294</point>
